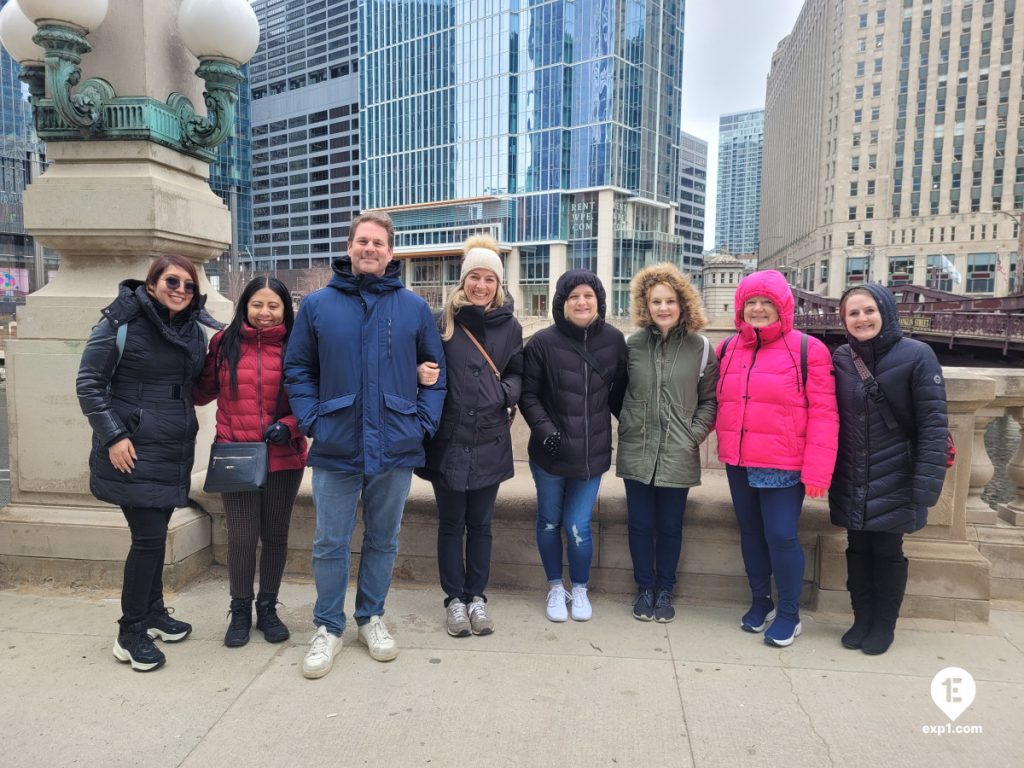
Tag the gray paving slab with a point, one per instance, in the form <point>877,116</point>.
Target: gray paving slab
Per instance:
<point>609,692</point>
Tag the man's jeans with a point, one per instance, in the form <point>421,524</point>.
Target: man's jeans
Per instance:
<point>335,495</point>
<point>564,503</point>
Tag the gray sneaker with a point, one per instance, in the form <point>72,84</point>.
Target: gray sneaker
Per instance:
<point>643,605</point>
<point>663,610</point>
<point>458,619</point>
<point>482,623</point>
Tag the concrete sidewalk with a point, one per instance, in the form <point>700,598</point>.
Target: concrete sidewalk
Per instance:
<point>610,692</point>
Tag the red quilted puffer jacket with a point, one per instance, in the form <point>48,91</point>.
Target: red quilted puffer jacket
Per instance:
<point>246,417</point>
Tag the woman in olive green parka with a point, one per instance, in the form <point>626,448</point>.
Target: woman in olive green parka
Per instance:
<point>669,409</point>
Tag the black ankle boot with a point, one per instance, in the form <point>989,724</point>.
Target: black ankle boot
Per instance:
<point>860,582</point>
<point>134,645</point>
<point>241,622</point>
<point>273,629</point>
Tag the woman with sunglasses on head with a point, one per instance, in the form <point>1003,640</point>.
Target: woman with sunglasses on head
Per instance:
<point>135,386</point>
<point>243,373</point>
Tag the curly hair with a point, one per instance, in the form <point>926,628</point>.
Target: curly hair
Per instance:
<point>691,314</point>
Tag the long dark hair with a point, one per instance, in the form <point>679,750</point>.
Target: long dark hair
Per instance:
<point>231,340</point>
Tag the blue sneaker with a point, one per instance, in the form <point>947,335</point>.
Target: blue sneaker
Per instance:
<point>783,632</point>
<point>760,615</point>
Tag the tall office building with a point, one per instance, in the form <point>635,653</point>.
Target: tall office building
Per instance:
<point>689,220</point>
<point>894,146</point>
<point>231,178</point>
<point>305,135</point>
<point>19,151</point>
<point>552,125</point>
<point>738,200</point>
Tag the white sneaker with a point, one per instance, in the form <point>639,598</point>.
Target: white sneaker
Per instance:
<point>378,641</point>
<point>581,610</point>
<point>557,599</point>
<point>320,656</point>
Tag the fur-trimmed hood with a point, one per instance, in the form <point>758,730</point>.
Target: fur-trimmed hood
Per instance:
<point>692,317</point>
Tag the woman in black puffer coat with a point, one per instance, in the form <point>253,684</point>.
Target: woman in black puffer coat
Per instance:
<point>136,390</point>
<point>886,475</point>
<point>470,455</point>
<point>568,403</point>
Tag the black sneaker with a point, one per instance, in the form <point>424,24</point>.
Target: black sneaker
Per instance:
<point>663,610</point>
<point>160,624</point>
<point>267,621</point>
<point>643,605</point>
<point>240,624</point>
<point>135,646</point>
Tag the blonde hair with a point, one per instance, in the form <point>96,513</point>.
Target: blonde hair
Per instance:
<point>458,299</point>
<point>691,308</point>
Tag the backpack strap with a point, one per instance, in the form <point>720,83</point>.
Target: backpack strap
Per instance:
<point>803,359</point>
<point>874,391</point>
<point>589,359</point>
<point>122,336</point>
<point>704,356</point>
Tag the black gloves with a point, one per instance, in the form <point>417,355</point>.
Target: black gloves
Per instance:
<point>278,434</point>
<point>553,443</point>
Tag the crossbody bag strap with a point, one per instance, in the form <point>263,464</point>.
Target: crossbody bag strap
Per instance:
<point>875,392</point>
<point>591,361</point>
<point>479,346</point>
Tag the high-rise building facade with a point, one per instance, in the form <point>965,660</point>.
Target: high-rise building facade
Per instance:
<point>689,221</point>
<point>305,134</point>
<point>552,125</point>
<point>738,198</point>
<point>894,146</point>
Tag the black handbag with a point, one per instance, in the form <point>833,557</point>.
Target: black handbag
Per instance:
<point>236,467</point>
<point>240,467</point>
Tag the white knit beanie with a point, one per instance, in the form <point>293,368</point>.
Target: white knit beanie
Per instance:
<point>482,258</point>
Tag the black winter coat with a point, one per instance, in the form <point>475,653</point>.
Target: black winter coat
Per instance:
<point>885,480</point>
<point>472,447</point>
<point>562,393</point>
<point>146,396</point>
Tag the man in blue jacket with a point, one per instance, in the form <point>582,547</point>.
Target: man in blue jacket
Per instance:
<point>350,375</point>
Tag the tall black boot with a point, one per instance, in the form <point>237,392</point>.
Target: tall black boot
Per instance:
<point>860,583</point>
<point>267,621</point>
<point>241,622</point>
<point>890,585</point>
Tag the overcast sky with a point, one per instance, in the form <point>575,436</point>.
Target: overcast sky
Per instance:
<point>726,56</point>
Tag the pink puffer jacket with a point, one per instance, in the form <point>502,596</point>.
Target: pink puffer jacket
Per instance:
<point>765,416</point>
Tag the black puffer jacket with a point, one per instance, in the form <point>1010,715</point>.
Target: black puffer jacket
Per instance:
<point>885,480</point>
<point>562,393</point>
<point>147,397</point>
<point>472,448</point>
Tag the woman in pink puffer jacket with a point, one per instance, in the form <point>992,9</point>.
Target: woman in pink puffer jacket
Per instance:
<point>777,433</point>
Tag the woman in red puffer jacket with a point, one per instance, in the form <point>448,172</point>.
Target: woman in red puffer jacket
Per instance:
<point>777,430</point>
<point>243,372</point>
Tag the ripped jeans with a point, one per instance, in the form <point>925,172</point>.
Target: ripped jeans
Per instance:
<point>564,503</point>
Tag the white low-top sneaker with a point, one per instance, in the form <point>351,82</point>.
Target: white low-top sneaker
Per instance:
<point>557,600</point>
<point>320,656</point>
<point>378,640</point>
<point>581,610</point>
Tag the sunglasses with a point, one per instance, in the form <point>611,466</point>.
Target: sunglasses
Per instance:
<point>174,284</point>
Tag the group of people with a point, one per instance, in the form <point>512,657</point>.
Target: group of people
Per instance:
<point>384,389</point>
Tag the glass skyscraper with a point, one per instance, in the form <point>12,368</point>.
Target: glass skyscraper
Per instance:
<point>738,201</point>
<point>552,125</point>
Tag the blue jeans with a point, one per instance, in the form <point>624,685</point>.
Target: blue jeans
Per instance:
<point>655,524</point>
<point>565,503</point>
<point>335,495</point>
<point>768,519</point>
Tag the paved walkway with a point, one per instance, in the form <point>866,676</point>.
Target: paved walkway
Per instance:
<point>611,692</point>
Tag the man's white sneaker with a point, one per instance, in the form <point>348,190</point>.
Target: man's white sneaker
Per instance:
<point>557,599</point>
<point>581,610</point>
<point>378,641</point>
<point>320,656</point>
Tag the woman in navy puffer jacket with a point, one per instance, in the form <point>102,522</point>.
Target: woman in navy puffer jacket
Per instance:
<point>887,475</point>
<point>243,373</point>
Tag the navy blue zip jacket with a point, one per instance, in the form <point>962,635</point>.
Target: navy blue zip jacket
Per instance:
<point>350,372</point>
<point>885,479</point>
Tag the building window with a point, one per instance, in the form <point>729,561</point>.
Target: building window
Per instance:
<point>901,270</point>
<point>851,238</point>
<point>869,212</point>
<point>868,238</point>
<point>940,273</point>
<point>853,213</point>
<point>855,163</point>
<point>981,269</point>
<point>856,270</point>
<point>853,189</point>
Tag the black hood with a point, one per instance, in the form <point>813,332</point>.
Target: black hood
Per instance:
<point>346,280</point>
<point>891,330</point>
<point>567,283</point>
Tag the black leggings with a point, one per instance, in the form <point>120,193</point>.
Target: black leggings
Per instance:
<point>877,545</point>
<point>143,568</point>
<point>262,516</point>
